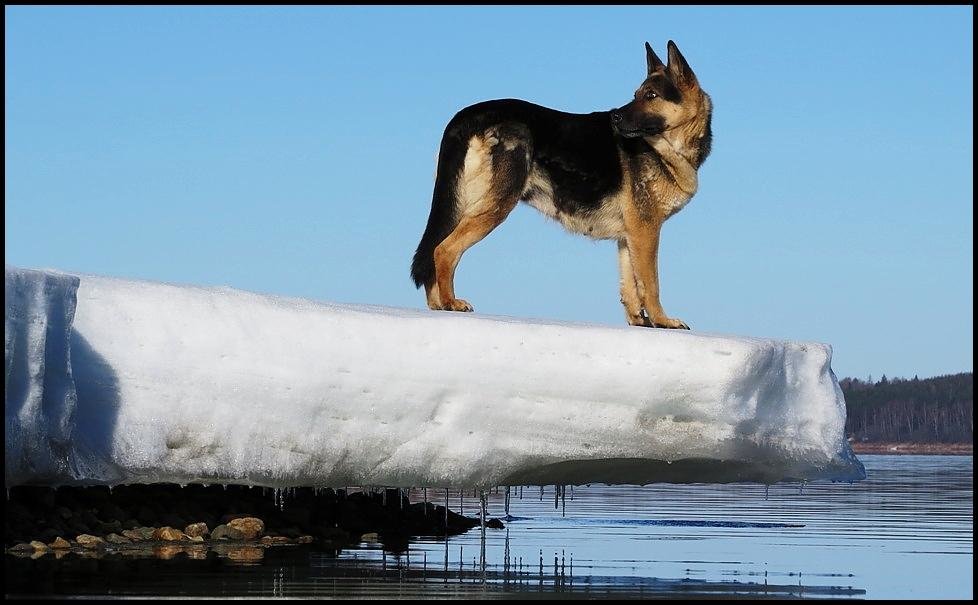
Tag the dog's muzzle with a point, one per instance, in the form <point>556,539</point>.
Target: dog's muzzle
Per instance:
<point>618,122</point>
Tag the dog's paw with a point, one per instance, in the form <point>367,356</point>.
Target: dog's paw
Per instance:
<point>639,319</point>
<point>668,322</point>
<point>457,304</point>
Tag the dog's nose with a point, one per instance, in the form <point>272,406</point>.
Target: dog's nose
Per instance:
<point>616,117</point>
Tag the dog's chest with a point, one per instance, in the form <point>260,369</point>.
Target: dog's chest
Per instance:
<point>652,187</point>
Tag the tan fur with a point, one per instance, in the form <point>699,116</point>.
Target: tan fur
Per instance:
<point>476,178</point>
<point>656,196</point>
<point>469,232</point>
<point>482,209</point>
<point>630,296</point>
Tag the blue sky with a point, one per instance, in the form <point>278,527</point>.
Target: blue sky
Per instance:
<point>291,151</point>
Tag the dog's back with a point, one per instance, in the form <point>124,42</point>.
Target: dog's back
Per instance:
<point>486,165</point>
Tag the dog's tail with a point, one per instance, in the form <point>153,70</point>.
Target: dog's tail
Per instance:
<point>443,218</point>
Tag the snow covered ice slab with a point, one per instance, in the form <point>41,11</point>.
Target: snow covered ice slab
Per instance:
<point>162,383</point>
<point>39,393</point>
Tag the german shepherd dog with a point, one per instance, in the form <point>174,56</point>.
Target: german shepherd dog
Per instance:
<point>615,174</point>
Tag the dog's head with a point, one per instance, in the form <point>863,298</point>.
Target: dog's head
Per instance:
<point>669,97</point>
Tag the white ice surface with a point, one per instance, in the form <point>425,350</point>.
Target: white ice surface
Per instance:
<point>187,384</point>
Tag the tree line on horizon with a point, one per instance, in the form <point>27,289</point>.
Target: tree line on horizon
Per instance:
<point>929,410</point>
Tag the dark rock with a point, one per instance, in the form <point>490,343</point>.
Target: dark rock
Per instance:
<point>110,528</point>
<point>46,499</point>
<point>90,542</point>
<point>225,532</point>
<point>169,534</point>
<point>333,517</point>
<point>196,529</point>
<point>117,539</point>
<point>109,512</point>
<point>88,518</point>
<point>172,520</point>
<point>495,524</point>
<point>250,527</point>
<point>139,534</point>
<point>231,516</point>
<point>49,534</point>
<point>146,516</point>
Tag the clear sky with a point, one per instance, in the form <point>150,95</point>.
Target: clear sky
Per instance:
<point>291,151</point>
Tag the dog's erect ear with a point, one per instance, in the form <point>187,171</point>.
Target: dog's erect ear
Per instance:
<point>655,63</point>
<point>678,68</point>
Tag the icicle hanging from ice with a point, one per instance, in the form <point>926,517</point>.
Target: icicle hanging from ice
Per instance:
<point>483,508</point>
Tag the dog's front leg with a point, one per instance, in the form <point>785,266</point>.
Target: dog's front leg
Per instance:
<point>642,239</point>
<point>631,299</point>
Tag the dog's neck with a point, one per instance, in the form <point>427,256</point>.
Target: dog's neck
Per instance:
<point>682,139</point>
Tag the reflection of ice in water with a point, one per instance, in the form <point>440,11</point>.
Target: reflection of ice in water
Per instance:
<point>907,530</point>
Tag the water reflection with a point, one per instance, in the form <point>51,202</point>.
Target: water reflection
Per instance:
<point>906,530</point>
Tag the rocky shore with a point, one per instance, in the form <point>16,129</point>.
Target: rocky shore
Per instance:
<point>238,522</point>
<point>931,449</point>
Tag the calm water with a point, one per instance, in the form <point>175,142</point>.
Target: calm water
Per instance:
<point>905,532</point>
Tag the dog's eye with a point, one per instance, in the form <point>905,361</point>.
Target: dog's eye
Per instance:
<point>650,95</point>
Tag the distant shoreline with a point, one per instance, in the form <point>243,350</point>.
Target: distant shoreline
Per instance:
<point>942,449</point>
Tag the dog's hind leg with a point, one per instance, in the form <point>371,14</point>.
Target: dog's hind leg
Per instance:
<point>470,231</point>
<point>495,172</point>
